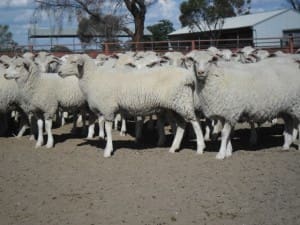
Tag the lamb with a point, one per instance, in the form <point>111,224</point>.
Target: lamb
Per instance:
<point>47,62</point>
<point>174,58</point>
<point>242,92</point>
<point>43,94</point>
<point>260,54</point>
<point>137,93</point>
<point>214,51</point>
<point>131,61</point>
<point>202,58</point>
<point>8,94</point>
<point>9,98</point>
<point>28,55</point>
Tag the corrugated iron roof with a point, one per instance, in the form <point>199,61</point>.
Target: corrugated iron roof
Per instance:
<point>236,22</point>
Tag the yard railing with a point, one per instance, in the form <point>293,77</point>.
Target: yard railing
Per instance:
<point>286,44</point>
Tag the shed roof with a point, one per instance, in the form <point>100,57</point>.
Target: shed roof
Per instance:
<point>236,22</point>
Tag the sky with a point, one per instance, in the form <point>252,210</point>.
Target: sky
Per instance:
<point>17,14</point>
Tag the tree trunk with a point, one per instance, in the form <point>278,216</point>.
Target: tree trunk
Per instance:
<point>138,10</point>
<point>139,31</point>
<point>139,28</point>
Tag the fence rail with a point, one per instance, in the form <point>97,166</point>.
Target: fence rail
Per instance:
<point>285,43</point>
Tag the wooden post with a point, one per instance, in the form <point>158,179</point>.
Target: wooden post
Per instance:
<point>291,44</point>
<point>106,49</point>
<point>30,48</point>
<point>193,45</point>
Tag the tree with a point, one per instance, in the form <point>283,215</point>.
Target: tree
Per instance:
<point>161,30</point>
<point>209,15</point>
<point>6,37</point>
<point>295,4</point>
<point>96,10</point>
<point>106,27</point>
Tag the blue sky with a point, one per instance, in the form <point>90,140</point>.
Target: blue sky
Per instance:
<point>17,14</point>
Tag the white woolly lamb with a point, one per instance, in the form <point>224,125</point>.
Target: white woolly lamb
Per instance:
<point>112,91</point>
<point>43,94</point>
<point>230,91</point>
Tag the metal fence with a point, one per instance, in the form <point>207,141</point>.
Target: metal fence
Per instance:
<point>286,44</point>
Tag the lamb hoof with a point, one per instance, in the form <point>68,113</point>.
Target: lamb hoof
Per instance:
<point>220,156</point>
<point>172,150</point>
<point>200,149</point>
<point>31,138</point>
<point>122,134</point>
<point>285,147</point>
<point>49,145</point>
<point>228,155</point>
<point>200,152</point>
<point>89,138</point>
<point>38,145</point>
<point>107,154</point>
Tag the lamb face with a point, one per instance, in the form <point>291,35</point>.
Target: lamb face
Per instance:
<point>19,69</point>
<point>71,66</point>
<point>3,66</point>
<point>203,59</point>
<point>47,62</point>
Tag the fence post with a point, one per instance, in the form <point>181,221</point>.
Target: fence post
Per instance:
<point>106,49</point>
<point>193,45</point>
<point>291,44</point>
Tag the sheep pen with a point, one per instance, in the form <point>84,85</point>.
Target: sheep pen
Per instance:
<point>73,183</point>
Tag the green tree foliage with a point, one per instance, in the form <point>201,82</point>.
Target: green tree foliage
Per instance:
<point>6,37</point>
<point>161,30</point>
<point>208,15</point>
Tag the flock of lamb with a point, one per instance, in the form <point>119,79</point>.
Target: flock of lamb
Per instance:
<point>217,86</point>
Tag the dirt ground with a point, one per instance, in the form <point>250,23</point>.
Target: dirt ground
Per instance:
<point>145,185</point>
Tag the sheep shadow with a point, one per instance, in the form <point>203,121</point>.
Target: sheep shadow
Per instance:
<point>148,140</point>
<point>267,137</point>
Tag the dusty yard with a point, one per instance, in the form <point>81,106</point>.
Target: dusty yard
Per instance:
<point>144,185</point>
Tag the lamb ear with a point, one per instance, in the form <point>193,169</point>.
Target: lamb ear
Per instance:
<point>130,64</point>
<point>214,60</point>
<point>115,56</point>
<point>6,65</point>
<point>80,66</point>
<point>272,55</point>
<point>154,64</point>
<point>80,70</point>
<point>183,63</point>
<point>27,65</point>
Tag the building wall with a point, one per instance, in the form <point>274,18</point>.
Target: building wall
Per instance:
<point>274,27</point>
